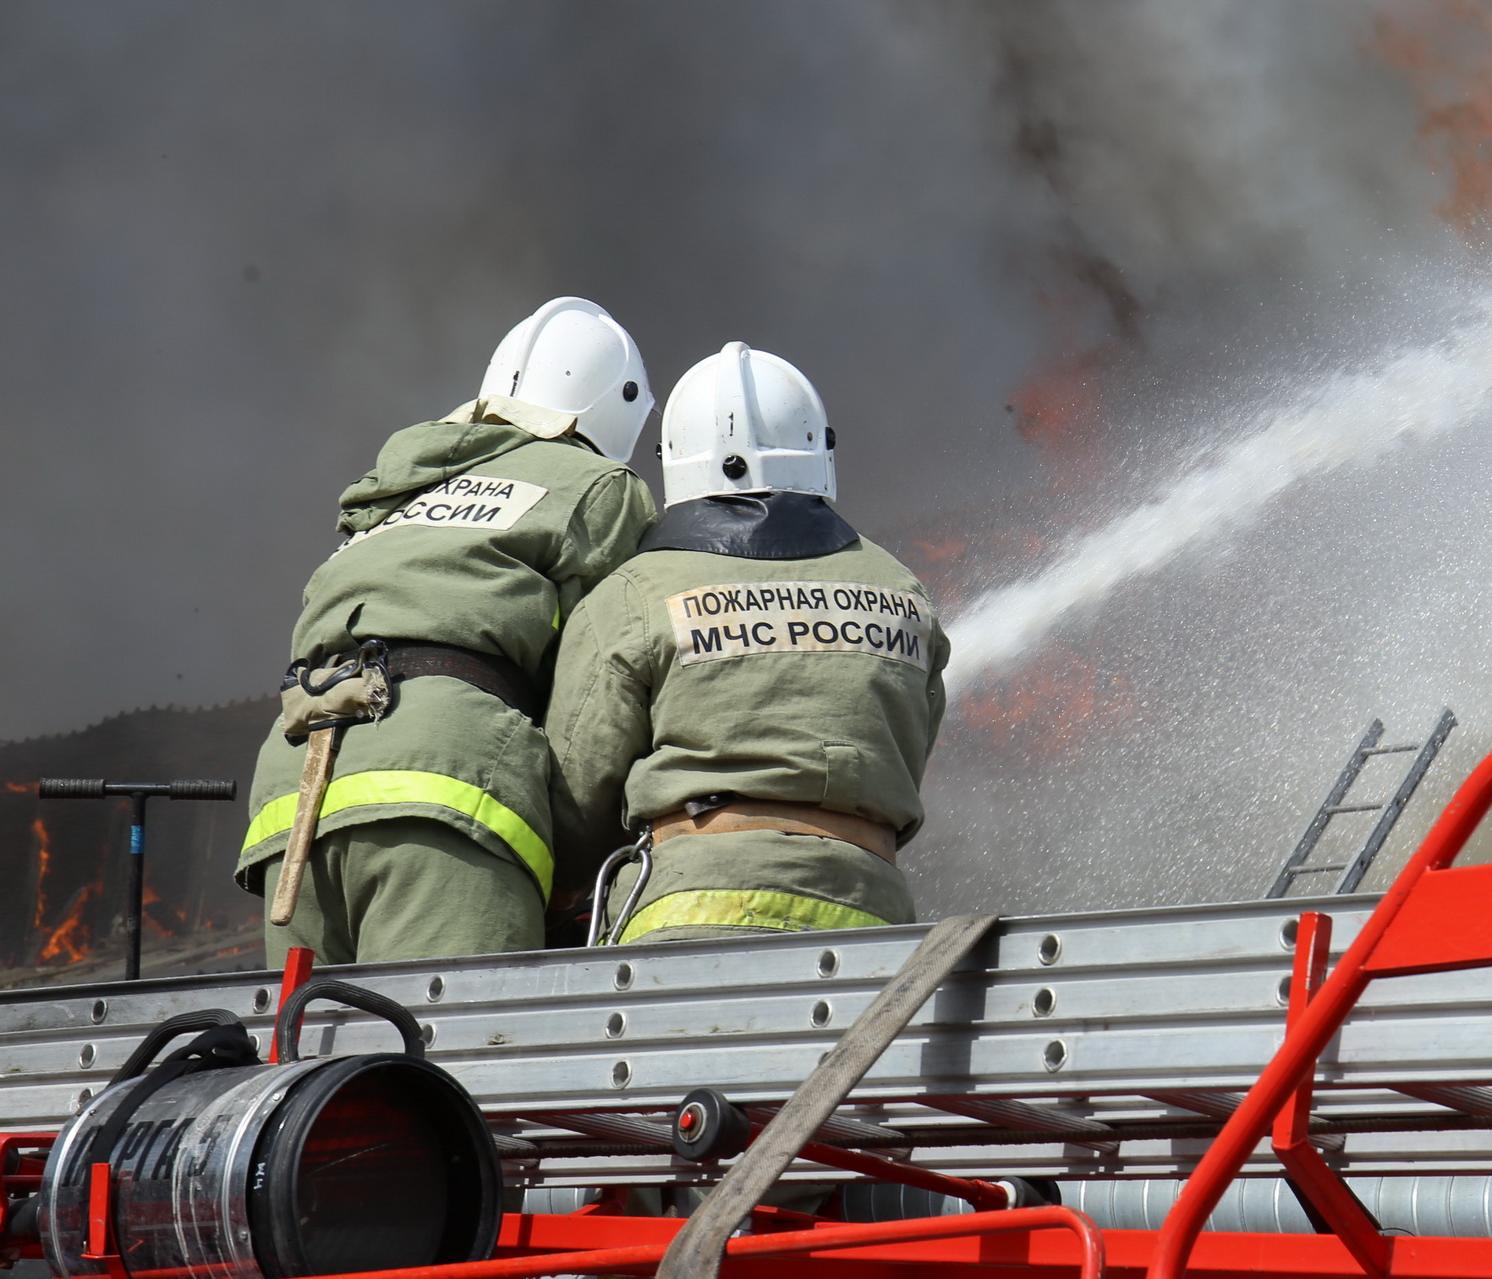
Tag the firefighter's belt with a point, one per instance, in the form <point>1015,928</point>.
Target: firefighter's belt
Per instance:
<point>357,691</point>
<point>791,819</point>
<point>493,674</point>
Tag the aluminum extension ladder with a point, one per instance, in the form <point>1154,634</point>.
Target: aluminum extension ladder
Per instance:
<point>1063,1047</point>
<point>1337,804</point>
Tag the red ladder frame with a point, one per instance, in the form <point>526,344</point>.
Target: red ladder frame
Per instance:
<point>1433,919</point>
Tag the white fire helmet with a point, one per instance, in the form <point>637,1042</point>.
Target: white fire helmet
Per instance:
<point>745,421</point>
<point>570,366</point>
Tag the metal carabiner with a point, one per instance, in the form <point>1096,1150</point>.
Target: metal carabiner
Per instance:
<point>640,852</point>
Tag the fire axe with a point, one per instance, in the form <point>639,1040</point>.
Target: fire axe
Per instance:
<point>138,793</point>
<point>321,753</point>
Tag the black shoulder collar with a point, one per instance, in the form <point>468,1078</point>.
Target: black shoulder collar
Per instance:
<point>770,526</point>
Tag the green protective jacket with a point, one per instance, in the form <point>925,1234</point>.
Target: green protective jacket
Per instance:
<point>469,532</point>
<point>806,669</point>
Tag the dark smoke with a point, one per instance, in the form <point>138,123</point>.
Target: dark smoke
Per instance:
<point>248,243</point>
<point>243,243</point>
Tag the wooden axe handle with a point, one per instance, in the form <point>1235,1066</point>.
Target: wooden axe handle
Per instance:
<point>321,750</point>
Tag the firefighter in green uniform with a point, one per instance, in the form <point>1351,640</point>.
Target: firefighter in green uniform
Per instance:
<point>425,642</point>
<point>760,687</point>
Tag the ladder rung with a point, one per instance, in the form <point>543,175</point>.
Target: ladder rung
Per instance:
<point>1316,870</point>
<point>1353,808</point>
<point>1473,1101</point>
<point>1393,750</point>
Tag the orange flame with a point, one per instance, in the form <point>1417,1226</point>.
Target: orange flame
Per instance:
<point>150,898</point>
<point>72,939</point>
<point>1055,408</point>
<point>940,550</point>
<point>19,788</point>
<point>1443,48</point>
<point>1048,706</point>
<point>43,864</point>
<point>1092,320</point>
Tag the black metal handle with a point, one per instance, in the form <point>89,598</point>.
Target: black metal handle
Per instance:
<point>287,1024</point>
<point>204,788</point>
<point>99,788</point>
<point>181,1024</point>
<point>70,788</point>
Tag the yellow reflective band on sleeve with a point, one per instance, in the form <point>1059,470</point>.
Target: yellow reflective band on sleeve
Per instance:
<point>745,908</point>
<point>555,620</point>
<point>408,787</point>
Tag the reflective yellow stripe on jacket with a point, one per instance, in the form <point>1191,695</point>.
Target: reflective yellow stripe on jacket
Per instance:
<point>410,787</point>
<point>745,908</point>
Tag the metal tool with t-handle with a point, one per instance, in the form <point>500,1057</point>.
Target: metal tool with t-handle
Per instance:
<point>137,793</point>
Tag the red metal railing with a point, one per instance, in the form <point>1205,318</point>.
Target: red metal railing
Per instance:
<point>298,964</point>
<point>821,1242</point>
<point>983,1195</point>
<point>22,1155</point>
<point>1434,918</point>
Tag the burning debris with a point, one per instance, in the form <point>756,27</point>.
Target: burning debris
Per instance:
<point>71,941</point>
<point>57,936</point>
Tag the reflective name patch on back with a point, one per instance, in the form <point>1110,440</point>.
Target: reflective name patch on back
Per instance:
<point>463,501</point>
<point>715,623</point>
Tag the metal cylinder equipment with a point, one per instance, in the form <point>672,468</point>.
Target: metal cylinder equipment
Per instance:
<point>328,1165</point>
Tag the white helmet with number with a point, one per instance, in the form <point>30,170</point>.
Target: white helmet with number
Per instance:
<point>745,421</point>
<point>571,367</point>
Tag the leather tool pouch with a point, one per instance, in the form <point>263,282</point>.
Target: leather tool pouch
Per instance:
<point>353,690</point>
